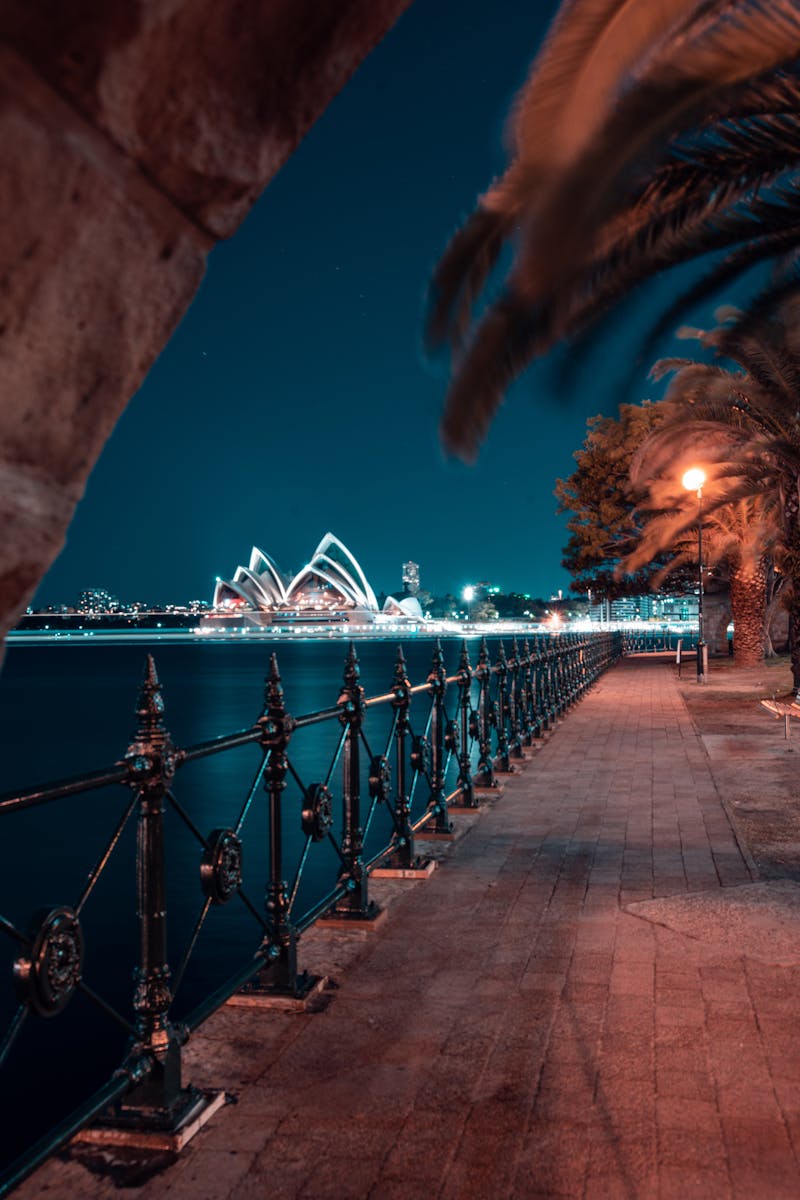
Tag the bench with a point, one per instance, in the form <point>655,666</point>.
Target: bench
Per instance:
<point>782,708</point>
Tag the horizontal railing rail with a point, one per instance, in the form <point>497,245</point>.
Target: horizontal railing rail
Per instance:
<point>399,762</point>
<point>646,642</point>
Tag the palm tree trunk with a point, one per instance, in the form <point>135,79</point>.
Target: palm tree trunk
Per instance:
<point>794,636</point>
<point>791,566</point>
<point>775,605</point>
<point>749,608</point>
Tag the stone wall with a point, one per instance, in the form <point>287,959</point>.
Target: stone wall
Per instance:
<point>135,133</point>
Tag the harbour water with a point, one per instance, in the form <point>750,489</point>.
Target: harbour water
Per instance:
<point>67,709</point>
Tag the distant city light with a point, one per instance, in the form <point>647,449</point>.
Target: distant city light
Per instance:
<point>468,594</point>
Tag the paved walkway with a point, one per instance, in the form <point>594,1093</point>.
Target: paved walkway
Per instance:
<point>512,1031</point>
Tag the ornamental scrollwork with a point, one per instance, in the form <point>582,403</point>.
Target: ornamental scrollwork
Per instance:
<point>317,815</point>
<point>47,977</point>
<point>221,866</point>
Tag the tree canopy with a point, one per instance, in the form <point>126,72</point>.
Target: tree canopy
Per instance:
<point>604,524</point>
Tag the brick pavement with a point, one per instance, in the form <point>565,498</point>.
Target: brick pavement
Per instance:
<point>512,1031</point>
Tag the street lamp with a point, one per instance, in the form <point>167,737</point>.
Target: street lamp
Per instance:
<point>468,595</point>
<point>693,481</point>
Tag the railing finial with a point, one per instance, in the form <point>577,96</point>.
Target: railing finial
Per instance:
<point>400,682</point>
<point>150,706</point>
<point>273,691</point>
<point>463,662</point>
<point>352,671</point>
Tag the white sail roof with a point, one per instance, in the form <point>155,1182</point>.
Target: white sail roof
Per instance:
<point>261,584</point>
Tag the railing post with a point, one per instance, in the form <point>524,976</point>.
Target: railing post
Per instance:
<point>515,748</point>
<point>581,663</point>
<point>437,803</point>
<point>157,1100</point>
<point>527,695</point>
<point>403,857</point>
<point>540,706</point>
<point>569,677</point>
<point>483,673</point>
<point>465,780</point>
<point>578,664</point>
<point>280,976</point>
<point>355,905</point>
<point>551,682</point>
<point>558,675</point>
<point>502,763</point>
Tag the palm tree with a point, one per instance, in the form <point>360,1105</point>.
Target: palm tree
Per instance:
<point>746,424</point>
<point>648,132</point>
<point>737,542</point>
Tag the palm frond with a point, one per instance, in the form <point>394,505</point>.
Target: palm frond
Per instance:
<point>666,366</point>
<point>502,347</point>
<point>720,45</point>
<point>613,82</point>
<point>573,82</point>
<point>768,226</point>
<point>588,56</point>
<point>774,92</point>
<point>759,249</point>
<point>461,274</point>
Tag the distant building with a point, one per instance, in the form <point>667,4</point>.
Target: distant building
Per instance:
<point>677,608</point>
<point>600,611</point>
<point>410,578</point>
<point>97,600</point>
<point>650,607</point>
<point>633,608</point>
<point>330,589</point>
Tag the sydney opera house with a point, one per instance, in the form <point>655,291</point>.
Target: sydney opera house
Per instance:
<point>330,589</point>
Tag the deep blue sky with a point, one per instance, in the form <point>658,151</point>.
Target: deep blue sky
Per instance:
<point>295,398</point>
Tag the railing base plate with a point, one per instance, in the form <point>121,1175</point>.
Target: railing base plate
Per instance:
<point>341,920</point>
<point>207,1103</point>
<point>489,793</point>
<point>422,870</point>
<point>430,835</point>
<point>265,998</point>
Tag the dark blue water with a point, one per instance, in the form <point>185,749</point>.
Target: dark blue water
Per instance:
<point>68,709</point>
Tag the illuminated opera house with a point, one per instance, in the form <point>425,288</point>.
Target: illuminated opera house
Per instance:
<point>330,589</point>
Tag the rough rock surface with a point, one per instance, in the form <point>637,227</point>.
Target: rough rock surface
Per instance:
<point>134,133</point>
<point>210,98</point>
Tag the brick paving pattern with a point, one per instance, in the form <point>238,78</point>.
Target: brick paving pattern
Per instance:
<point>512,1031</point>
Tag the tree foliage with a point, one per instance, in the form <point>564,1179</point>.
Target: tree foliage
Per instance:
<point>605,522</point>
<point>649,132</point>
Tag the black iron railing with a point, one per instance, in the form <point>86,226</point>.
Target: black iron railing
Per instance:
<point>437,745</point>
<point>646,642</point>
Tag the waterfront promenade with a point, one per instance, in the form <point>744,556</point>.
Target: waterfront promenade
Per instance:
<point>548,1015</point>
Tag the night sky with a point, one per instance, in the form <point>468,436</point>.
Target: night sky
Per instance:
<point>295,396</point>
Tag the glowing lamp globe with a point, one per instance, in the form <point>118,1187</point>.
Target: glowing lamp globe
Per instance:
<point>694,479</point>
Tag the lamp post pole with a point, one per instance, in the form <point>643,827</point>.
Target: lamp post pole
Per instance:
<point>693,481</point>
<point>701,641</point>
